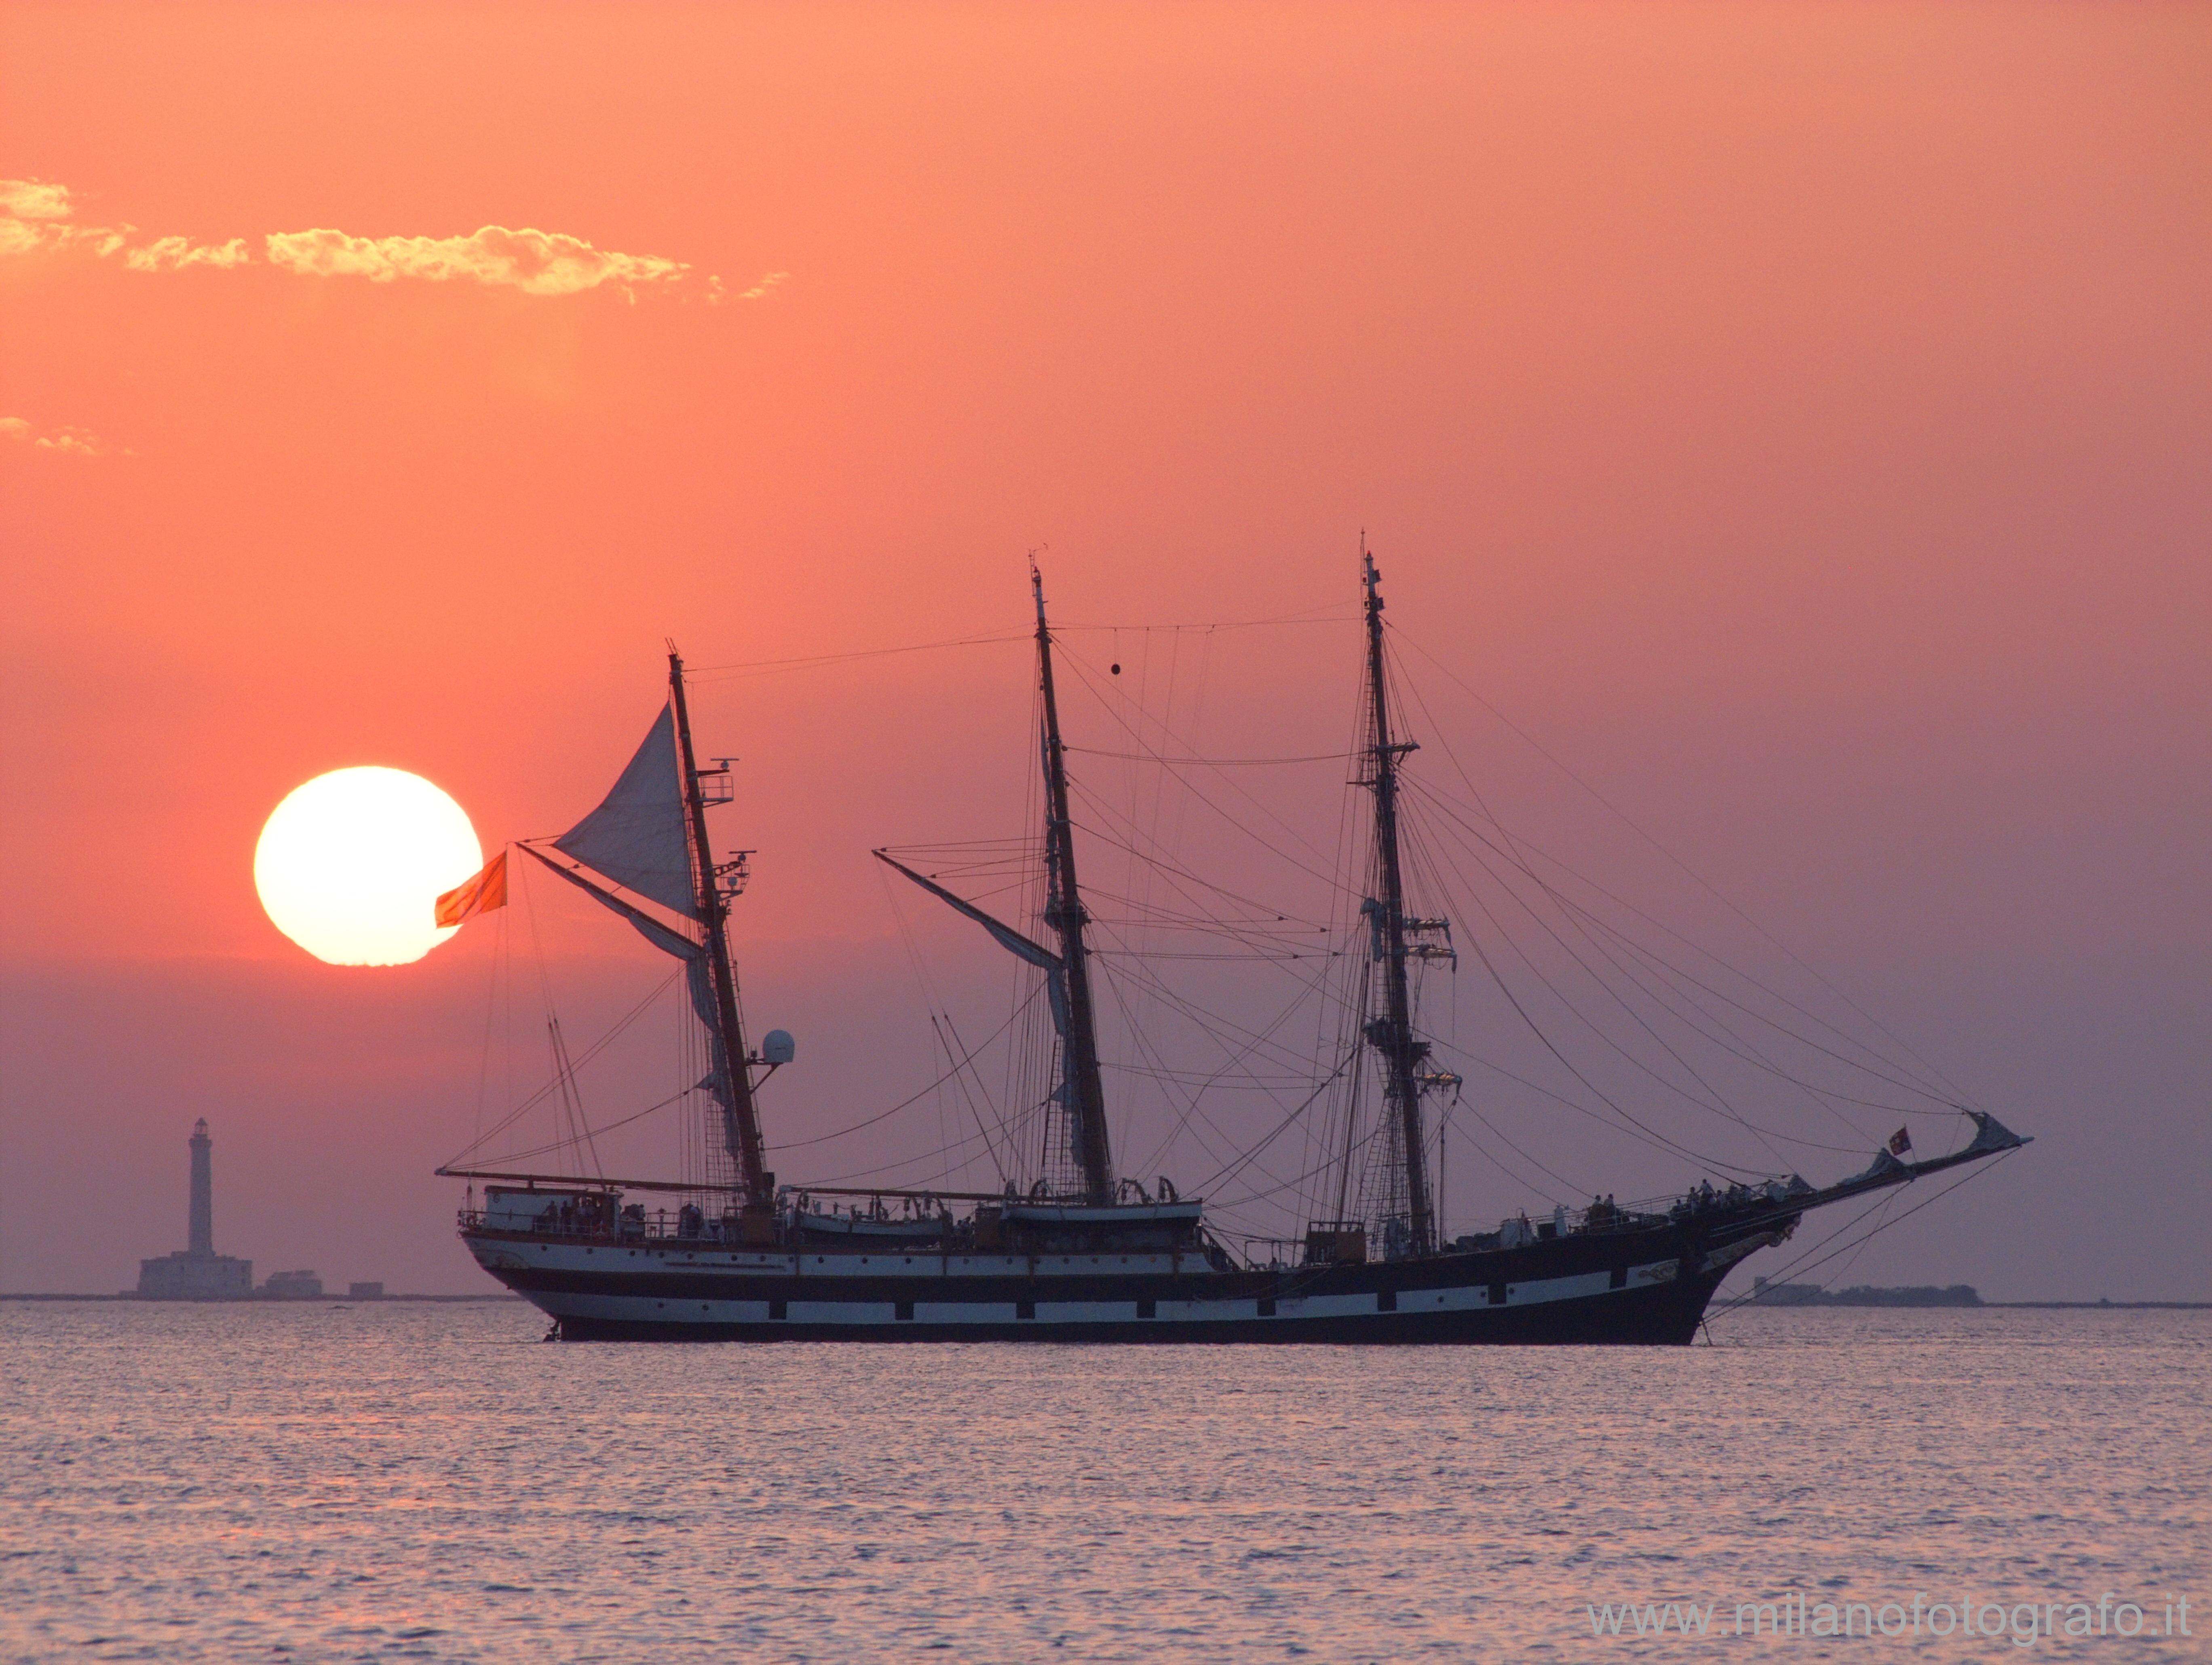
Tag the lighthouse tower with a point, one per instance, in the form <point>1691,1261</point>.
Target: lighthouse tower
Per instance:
<point>197,1272</point>
<point>203,1223</point>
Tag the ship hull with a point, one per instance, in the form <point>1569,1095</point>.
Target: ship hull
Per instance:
<point>1647,1288</point>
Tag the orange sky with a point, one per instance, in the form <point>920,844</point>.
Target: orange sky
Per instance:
<point>1797,417</point>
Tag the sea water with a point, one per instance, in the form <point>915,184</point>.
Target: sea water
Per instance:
<point>321,1481</point>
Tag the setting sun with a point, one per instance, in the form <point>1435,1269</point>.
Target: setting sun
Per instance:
<point>350,865</point>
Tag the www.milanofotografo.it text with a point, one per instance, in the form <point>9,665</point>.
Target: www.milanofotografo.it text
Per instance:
<point>1795,1614</point>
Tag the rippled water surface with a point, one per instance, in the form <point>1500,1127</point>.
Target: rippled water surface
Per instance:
<point>429,1481</point>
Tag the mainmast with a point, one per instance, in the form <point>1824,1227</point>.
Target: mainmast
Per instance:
<point>740,1120</point>
<point>1391,1034</point>
<point>1084,1095</point>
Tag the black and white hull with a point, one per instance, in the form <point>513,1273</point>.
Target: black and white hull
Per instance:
<point>1635,1287</point>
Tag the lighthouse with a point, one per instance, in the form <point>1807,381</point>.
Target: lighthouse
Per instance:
<point>197,1272</point>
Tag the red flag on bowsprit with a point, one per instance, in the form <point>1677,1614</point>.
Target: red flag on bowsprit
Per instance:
<point>487,891</point>
<point>1900,1141</point>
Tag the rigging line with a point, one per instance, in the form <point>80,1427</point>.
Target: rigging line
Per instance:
<point>572,1096</point>
<point>889,1167</point>
<point>1143,911</point>
<point>1273,925</point>
<point>1143,1042</point>
<point>1268,925</point>
<point>1490,1156</point>
<point>491,1008</point>
<point>1235,1061</point>
<point>768,667</point>
<point>1448,811</point>
<point>1882,1213</point>
<point>1197,920</point>
<point>1258,935</point>
<point>1091,679</point>
<point>1476,1060</point>
<point>1304,616</point>
<point>1717,1104</point>
<point>1259,938</point>
<point>1353,990</point>
<point>564,1144</point>
<point>1208,1021</point>
<point>1167,867</point>
<point>564,1114</point>
<point>1248,1042</point>
<point>1651,1135</point>
<point>1187,1077</point>
<point>1137,877</point>
<point>1249,1198</point>
<point>928,992</point>
<point>1958,1093</point>
<point>905,1104</point>
<point>590,1052</point>
<point>1448,807</point>
<point>1281,1127</point>
<point>1168,997</point>
<point>1483,957</point>
<point>1516,843</point>
<point>1822,1096</point>
<point>1108,701</point>
<point>1166,761</point>
<point>1800,1265</point>
<point>1009,849</point>
<point>962,1067</point>
<point>1002,1165</point>
<point>1252,955</point>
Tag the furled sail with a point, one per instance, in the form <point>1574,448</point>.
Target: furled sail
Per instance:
<point>636,837</point>
<point>1054,967</point>
<point>716,1082</point>
<point>651,930</point>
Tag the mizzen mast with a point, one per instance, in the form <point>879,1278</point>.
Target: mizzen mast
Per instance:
<point>741,1119</point>
<point>1085,1094</point>
<point>1391,1034</point>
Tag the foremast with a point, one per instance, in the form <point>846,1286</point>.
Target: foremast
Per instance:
<point>1083,1092</point>
<point>1391,1033</point>
<point>741,1129</point>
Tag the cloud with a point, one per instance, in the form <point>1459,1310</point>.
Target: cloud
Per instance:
<point>33,199</point>
<point>32,216</point>
<point>76,441</point>
<point>169,254</point>
<point>538,263</point>
<point>36,216</point>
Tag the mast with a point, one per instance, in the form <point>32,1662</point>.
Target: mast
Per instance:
<point>741,1125</point>
<point>1391,1035</point>
<point>1085,1095</point>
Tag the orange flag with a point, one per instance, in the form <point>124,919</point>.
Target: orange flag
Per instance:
<point>487,891</point>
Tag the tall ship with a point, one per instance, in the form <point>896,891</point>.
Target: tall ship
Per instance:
<point>1069,1247</point>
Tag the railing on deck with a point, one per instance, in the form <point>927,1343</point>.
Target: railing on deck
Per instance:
<point>646,1226</point>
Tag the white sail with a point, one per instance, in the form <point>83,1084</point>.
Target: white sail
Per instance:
<point>636,837</point>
